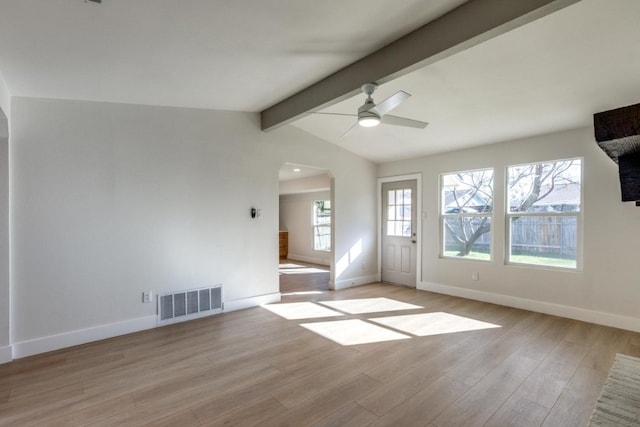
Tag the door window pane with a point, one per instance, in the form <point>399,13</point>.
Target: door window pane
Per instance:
<point>391,211</point>
<point>399,213</point>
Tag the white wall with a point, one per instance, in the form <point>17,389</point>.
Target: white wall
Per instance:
<point>296,217</point>
<point>110,200</point>
<point>607,290</point>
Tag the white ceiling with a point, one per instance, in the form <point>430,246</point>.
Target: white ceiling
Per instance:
<point>291,171</point>
<point>242,55</point>
<point>548,75</point>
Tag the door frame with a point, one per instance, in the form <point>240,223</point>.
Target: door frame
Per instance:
<point>419,217</point>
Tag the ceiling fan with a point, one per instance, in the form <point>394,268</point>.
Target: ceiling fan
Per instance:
<point>371,114</point>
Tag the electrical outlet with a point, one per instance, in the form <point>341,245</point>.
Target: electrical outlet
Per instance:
<point>475,276</point>
<point>147,296</point>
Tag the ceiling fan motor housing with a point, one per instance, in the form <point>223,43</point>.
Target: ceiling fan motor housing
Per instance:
<point>365,109</point>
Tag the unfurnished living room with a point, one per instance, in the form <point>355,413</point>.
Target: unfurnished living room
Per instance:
<point>319,213</point>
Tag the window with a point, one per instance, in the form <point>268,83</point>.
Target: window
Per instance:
<point>466,207</point>
<point>543,213</point>
<point>322,225</point>
<point>399,212</point>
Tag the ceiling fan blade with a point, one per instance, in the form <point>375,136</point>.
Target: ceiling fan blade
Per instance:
<point>348,131</point>
<point>390,103</point>
<point>401,121</point>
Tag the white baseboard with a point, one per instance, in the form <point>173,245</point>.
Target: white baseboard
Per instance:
<point>585,315</point>
<point>312,260</point>
<point>82,336</point>
<point>243,303</point>
<point>5,354</point>
<point>350,283</point>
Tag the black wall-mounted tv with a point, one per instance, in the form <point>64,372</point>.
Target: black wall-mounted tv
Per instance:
<point>629,170</point>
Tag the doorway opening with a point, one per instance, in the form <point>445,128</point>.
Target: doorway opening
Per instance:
<point>306,237</point>
<point>302,278</point>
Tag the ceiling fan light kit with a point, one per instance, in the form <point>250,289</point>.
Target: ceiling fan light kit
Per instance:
<point>371,115</point>
<point>368,120</point>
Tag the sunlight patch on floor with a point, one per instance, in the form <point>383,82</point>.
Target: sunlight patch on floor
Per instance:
<point>433,323</point>
<point>302,293</point>
<point>306,270</point>
<point>369,305</point>
<point>353,332</point>
<point>301,310</point>
<point>292,268</point>
<point>291,265</point>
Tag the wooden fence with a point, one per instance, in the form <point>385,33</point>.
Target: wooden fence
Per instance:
<point>531,235</point>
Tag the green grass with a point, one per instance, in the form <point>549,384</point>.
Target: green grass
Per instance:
<point>543,260</point>
<point>519,259</point>
<point>472,255</point>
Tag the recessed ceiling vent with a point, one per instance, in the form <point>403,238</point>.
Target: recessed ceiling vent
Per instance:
<point>617,132</point>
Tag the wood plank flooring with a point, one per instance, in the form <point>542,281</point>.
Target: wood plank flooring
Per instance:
<point>296,276</point>
<point>254,367</point>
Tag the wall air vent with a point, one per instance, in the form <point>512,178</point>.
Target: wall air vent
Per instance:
<point>617,133</point>
<point>187,305</point>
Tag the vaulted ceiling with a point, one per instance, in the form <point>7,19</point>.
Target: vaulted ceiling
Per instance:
<point>549,74</point>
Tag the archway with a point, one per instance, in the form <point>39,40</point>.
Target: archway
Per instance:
<point>306,231</point>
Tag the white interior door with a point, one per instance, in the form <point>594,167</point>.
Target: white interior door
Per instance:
<point>399,213</point>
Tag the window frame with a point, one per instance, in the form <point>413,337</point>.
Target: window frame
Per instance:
<point>443,215</point>
<point>508,215</point>
<point>315,225</point>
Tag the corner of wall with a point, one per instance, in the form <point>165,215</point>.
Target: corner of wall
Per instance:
<point>6,354</point>
<point>5,97</point>
<point>350,283</point>
<point>241,304</point>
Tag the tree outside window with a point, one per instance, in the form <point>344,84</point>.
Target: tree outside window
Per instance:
<point>467,212</point>
<point>543,213</point>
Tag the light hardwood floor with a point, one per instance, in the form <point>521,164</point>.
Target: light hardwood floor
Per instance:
<point>254,367</point>
<point>297,276</point>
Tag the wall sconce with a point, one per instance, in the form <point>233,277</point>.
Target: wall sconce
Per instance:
<point>256,213</point>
